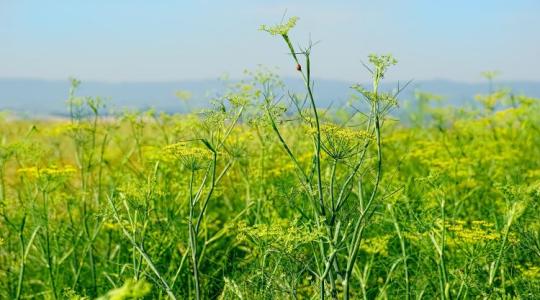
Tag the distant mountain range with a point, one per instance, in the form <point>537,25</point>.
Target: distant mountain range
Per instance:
<point>33,97</point>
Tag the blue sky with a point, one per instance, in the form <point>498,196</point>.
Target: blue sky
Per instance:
<point>135,40</point>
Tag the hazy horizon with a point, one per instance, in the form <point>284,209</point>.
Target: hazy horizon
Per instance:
<point>136,41</point>
<point>48,97</point>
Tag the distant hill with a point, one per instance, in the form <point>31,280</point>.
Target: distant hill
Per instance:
<point>33,97</point>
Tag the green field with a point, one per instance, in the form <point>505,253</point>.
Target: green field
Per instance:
<point>268,196</point>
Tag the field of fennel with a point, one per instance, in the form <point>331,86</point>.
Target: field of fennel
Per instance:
<point>268,196</point>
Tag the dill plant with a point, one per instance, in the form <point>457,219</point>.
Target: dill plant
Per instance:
<point>338,250</point>
<point>265,195</point>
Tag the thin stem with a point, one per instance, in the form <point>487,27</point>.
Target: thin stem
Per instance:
<point>332,182</point>
<point>25,250</point>
<point>141,251</point>
<point>403,252</point>
<point>193,238</point>
<point>210,192</point>
<point>307,81</point>
<point>353,254</point>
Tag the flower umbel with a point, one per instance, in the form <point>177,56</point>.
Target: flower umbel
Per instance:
<point>191,155</point>
<point>52,172</point>
<point>341,142</point>
<point>280,29</point>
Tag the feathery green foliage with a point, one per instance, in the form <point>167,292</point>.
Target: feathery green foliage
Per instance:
<point>267,196</point>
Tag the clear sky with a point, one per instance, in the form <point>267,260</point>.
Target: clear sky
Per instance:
<point>132,40</point>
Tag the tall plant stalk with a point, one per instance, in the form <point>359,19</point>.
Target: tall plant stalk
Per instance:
<point>325,215</point>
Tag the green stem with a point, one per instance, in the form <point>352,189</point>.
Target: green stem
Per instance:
<point>193,239</point>
<point>403,253</point>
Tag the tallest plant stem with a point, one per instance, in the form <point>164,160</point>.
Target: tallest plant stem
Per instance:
<point>307,80</point>
<point>322,210</point>
<point>359,228</point>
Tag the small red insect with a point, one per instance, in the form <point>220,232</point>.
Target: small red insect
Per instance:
<point>298,67</point>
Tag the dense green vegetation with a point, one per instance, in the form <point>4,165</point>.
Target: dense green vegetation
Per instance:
<point>267,196</point>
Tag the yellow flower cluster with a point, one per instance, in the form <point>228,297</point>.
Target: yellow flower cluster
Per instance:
<point>280,29</point>
<point>190,154</point>
<point>280,169</point>
<point>490,101</point>
<point>339,141</point>
<point>282,234</point>
<point>63,127</point>
<point>533,173</point>
<point>183,150</point>
<point>461,233</point>
<point>343,133</point>
<point>530,272</point>
<point>399,135</point>
<point>475,232</point>
<point>376,245</point>
<point>52,172</point>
